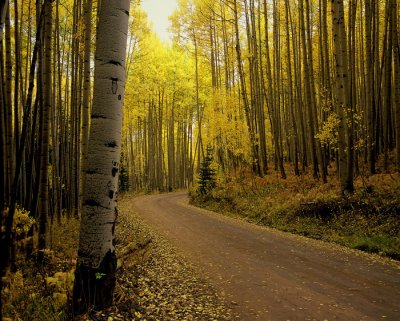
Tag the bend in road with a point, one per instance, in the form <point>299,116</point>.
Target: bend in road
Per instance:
<point>271,275</point>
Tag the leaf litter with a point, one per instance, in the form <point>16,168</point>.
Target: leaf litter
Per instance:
<point>155,282</point>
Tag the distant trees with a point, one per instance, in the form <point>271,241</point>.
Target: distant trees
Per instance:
<point>267,84</point>
<point>254,79</point>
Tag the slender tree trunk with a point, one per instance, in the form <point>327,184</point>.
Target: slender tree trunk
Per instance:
<point>243,86</point>
<point>200,150</point>
<point>352,159</point>
<point>276,112</point>
<point>5,237</point>
<point>308,91</point>
<point>3,9</point>
<point>396,54</point>
<point>294,132</point>
<point>370,86</point>
<point>388,84</point>
<point>7,90</point>
<point>171,147</point>
<point>86,91</point>
<point>17,74</point>
<point>341,92</point>
<point>45,134</point>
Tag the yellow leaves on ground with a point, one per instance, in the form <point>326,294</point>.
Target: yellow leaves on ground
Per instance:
<point>62,282</point>
<point>60,298</point>
<point>165,286</point>
<point>13,284</point>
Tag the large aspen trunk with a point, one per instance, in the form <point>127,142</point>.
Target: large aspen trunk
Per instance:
<point>95,271</point>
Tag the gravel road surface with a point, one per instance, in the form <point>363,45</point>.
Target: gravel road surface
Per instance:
<point>266,274</point>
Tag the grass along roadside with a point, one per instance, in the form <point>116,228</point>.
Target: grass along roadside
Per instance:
<point>368,220</point>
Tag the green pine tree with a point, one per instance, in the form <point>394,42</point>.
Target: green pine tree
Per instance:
<point>207,174</point>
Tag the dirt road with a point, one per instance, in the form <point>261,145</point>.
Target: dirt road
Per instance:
<point>271,275</point>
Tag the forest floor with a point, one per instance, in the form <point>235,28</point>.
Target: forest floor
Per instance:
<point>154,282</point>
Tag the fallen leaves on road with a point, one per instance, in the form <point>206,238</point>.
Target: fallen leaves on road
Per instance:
<point>155,282</point>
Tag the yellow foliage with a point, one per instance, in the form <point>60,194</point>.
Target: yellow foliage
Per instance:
<point>13,284</point>
<point>60,298</point>
<point>50,281</point>
<point>62,281</point>
<point>18,279</point>
<point>328,135</point>
<point>22,222</point>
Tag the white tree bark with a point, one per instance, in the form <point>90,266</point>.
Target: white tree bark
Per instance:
<point>95,274</point>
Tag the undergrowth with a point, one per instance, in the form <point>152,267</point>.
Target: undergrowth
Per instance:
<point>368,219</point>
<point>153,281</point>
<point>41,291</point>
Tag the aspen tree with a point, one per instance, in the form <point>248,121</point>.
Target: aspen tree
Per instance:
<point>396,58</point>
<point>3,9</point>
<point>7,101</point>
<point>97,261</point>
<point>86,91</point>
<point>309,98</point>
<point>243,87</point>
<point>5,237</point>
<point>370,83</point>
<point>341,92</point>
<point>45,126</point>
<point>295,134</point>
<point>388,47</point>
